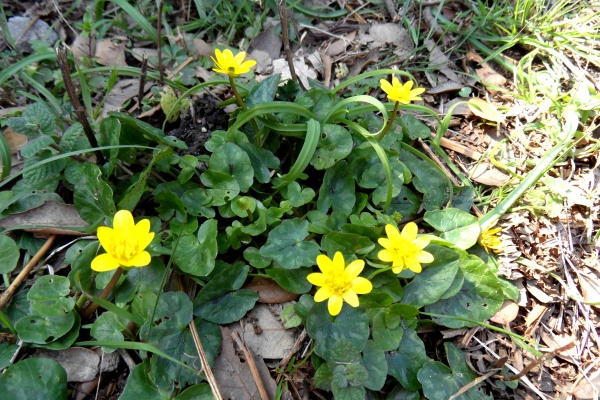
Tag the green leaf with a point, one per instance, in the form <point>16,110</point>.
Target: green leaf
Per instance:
<point>351,323</point>
<point>36,120</point>
<point>35,145</point>
<point>296,196</point>
<point>9,254</point>
<point>407,203</point>
<point>428,286</point>
<point>479,298</point>
<point>7,351</point>
<point>349,244</point>
<point>197,202</point>
<point>139,385</point>
<point>414,127</point>
<point>92,196</point>
<point>405,362</point>
<point>349,393</point>
<point>456,226</point>
<point>224,187</point>
<point>262,161</point>
<point>427,180</point>
<point>169,202</point>
<point>196,255</point>
<point>440,382</point>
<point>335,144</point>
<point>35,379</point>
<point>343,352</point>
<point>41,330</point>
<point>41,171</point>
<point>337,190</point>
<point>220,301</point>
<point>230,159</point>
<point>109,327</point>
<point>387,338</point>
<point>373,359</point>
<point>200,391</point>
<point>293,280</point>
<point>70,136</point>
<point>134,193</point>
<point>263,92</point>
<point>285,244</point>
<point>47,296</point>
<point>148,130</point>
<point>252,255</point>
<point>323,377</point>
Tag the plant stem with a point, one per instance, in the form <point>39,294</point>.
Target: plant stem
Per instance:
<point>390,122</point>
<point>105,292</point>
<point>379,271</point>
<point>240,102</point>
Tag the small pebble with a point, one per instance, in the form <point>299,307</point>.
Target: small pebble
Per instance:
<point>39,31</point>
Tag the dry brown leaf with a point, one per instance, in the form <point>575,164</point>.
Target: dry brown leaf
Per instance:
<point>445,87</point>
<point>507,313</point>
<point>584,389</point>
<point>556,341</point>
<point>264,333</point>
<point>121,92</point>
<point>110,54</point>
<point>15,140</point>
<point>486,174</point>
<point>439,61</point>
<point>461,109</point>
<point>489,76</point>
<point>202,48</point>
<point>339,46</point>
<point>83,46</point>
<point>485,110</point>
<point>49,218</point>
<point>80,364</point>
<point>589,282</point>
<point>269,291</point>
<point>151,55</point>
<point>234,377</point>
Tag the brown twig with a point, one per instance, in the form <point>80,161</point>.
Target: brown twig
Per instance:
<point>142,86</point>
<point>105,292</point>
<point>210,377</point>
<point>537,362</point>
<point>283,16</point>
<point>391,9</point>
<point>79,110</point>
<point>10,291</point>
<point>161,79</point>
<point>252,366</point>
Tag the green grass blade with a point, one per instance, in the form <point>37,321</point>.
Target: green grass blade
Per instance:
<point>19,65</point>
<point>313,134</point>
<point>138,18</point>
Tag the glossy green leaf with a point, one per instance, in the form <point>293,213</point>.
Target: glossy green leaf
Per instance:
<point>35,379</point>
<point>171,335</point>
<point>148,130</point>
<point>7,351</point>
<point>441,382</point>
<point>41,330</point>
<point>47,296</point>
<point>286,245</point>
<point>405,362</point>
<point>351,323</point>
<point>230,159</point>
<point>373,359</point>
<point>293,280</point>
<point>252,255</point>
<point>35,121</point>
<point>200,391</point>
<point>335,144</point>
<point>479,298</point>
<point>349,244</point>
<point>92,196</point>
<point>9,254</point>
<point>414,128</point>
<point>337,190</point>
<point>109,327</point>
<point>428,286</point>
<point>196,255</point>
<point>456,226</point>
<point>262,160</point>
<point>139,385</point>
<point>197,203</point>
<point>263,92</point>
<point>296,196</point>
<point>223,186</point>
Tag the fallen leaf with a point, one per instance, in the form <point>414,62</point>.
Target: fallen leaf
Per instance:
<point>280,66</point>
<point>439,61</point>
<point>151,55</point>
<point>80,364</point>
<point>83,46</point>
<point>485,110</point>
<point>446,87</point>
<point>584,389</point>
<point>123,91</point>
<point>556,341</point>
<point>202,48</point>
<point>507,313</point>
<point>489,76</point>
<point>110,54</point>
<point>15,140</point>
<point>589,282</point>
<point>234,377</point>
<point>264,333</point>
<point>339,46</point>
<point>486,174</point>
<point>48,219</point>
<point>268,41</point>
<point>269,291</point>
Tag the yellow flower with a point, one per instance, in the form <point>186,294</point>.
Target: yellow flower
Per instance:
<point>489,240</point>
<point>401,93</point>
<point>228,64</point>
<point>404,250</point>
<point>125,243</point>
<point>338,282</point>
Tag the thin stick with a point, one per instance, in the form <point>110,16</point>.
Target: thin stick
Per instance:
<point>252,365</point>
<point>142,86</point>
<point>79,110</point>
<point>6,296</point>
<point>161,78</point>
<point>105,292</point>
<point>283,16</point>
<point>210,377</point>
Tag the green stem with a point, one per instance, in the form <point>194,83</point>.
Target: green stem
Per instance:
<point>379,271</point>
<point>390,122</point>
<point>242,105</point>
<point>105,292</point>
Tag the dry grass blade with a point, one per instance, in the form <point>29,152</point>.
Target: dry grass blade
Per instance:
<point>207,370</point>
<point>252,365</point>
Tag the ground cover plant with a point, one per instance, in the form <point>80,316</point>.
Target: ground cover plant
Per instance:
<point>178,166</point>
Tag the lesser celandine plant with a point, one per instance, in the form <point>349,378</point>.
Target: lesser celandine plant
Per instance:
<point>319,190</point>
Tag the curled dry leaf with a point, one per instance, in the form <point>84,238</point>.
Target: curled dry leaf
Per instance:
<point>83,46</point>
<point>110,54</point>
<point>485,110</point>
<point>48,219</point>
<point>339,46</point>
<point>507,313</point>
<point>269,291</point>
<point>15,140</point>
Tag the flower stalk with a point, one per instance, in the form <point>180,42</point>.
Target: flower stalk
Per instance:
<point>92,307</point>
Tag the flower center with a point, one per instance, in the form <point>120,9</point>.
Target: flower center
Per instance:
<point>125,249</point>
<point>338,285</point>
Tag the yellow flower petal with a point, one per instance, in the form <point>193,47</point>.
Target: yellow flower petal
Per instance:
<point>322,294</point>
<point>408,85</point>
<point>392,233</point>
<point>105,235</point>
<point>316,278</point>
<point>386,243</point>
<point>338,263</point>
<point>409,232</point>
<point>421,242</point>
<point>355,268</point>
<point>123,221</point>
<point>386,86</point>
<point>105,262</point>
<point>425,257</point>
<point>362,285</point>
<point>414,265</point>
<point>140,260</point>
<point>351,298</point>
<point>325,264</point>
<point>386,255</point>
<point>335,304</point>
